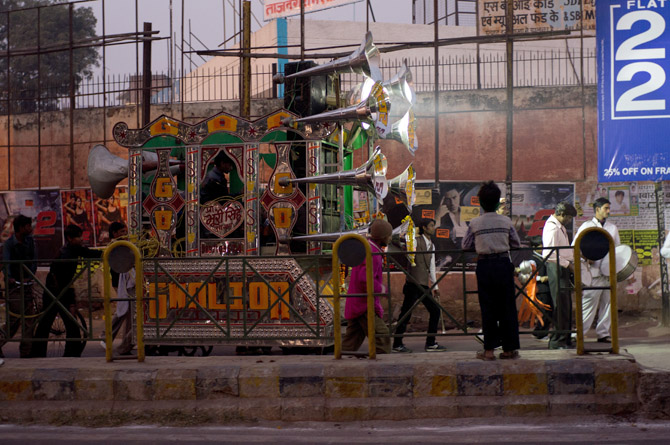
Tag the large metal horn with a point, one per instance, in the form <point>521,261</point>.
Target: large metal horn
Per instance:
<point>400,231</point>
<point>326,237</point>
<point>106,170</point>
<point>370,176</point>
<point>364,60</point>
<point>403,186</point>
<point>376,108</point>
<point>404,131</point>
<point>399,89</point>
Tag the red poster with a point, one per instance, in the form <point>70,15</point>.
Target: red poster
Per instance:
<point>77,210</point>
<point>107,211</point>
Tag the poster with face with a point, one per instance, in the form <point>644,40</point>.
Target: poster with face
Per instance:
<point>107,211</point>
<point>44,207</point>
<point>534,203</point>
<point>620,200</point>
<point>77,209</point>
<point>452,206</point>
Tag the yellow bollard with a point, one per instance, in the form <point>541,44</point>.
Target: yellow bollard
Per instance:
<point>337,328</point>
<point>139,294</point>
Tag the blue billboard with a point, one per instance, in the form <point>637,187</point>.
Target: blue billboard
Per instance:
<point>633,44</point>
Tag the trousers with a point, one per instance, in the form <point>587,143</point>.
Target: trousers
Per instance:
<point>495,285</point>
<point>597,301</point>
<point>357,330</point>
<point>412,293</point>
<point>559,287</point>
<point>22,315</point>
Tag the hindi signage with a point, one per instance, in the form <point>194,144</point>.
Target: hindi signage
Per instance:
<point>275,9</point>
<point>535,15</point>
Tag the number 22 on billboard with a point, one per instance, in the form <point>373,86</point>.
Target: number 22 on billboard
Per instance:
<point>638,53</point>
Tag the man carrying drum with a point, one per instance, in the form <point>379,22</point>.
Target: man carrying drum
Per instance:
<point>598,300</point>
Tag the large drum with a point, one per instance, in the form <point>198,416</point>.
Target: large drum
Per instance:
<point>626,263</point>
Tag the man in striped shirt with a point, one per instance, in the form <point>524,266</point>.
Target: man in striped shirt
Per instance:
<point>492,236</point>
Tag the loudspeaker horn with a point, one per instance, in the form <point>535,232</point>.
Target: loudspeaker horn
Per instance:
<point>400,231</point>
<point>376,108</point>
<point>399,88</point>
<point>404,131</point>
<point>364,60</point>
<point>106,170</point>
<point>402,186</point>
<point>370,176</point>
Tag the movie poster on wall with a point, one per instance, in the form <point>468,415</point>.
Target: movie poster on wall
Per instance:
<point>44,207</point>
<point>534,203</point>
<point>452,205</point>
<point>107,211</point>
<point>77,209</point>
<point>455,204</point>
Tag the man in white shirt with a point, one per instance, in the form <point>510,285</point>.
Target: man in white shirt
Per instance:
<point>598,300</point>
<point>559,264</point>
<point>417,288</point>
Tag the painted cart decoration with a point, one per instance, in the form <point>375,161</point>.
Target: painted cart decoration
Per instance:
<point>244,266</point>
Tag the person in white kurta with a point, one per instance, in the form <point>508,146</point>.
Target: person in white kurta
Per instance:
<point>597,301</point>
<point>125,310</point>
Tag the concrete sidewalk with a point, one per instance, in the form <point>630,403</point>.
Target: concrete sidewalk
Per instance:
<point>225,387</point>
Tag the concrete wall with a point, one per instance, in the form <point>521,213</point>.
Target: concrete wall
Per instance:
<point>554,140</point>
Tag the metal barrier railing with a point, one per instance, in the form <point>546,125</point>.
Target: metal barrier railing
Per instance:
<point>221,273</point>
<point>38,302</point>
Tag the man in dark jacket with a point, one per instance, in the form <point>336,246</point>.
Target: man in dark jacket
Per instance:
<point>20,247</point>
<point>59,298</point>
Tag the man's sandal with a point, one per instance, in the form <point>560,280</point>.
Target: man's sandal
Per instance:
<point>509,355</point>
<point>481,355</point>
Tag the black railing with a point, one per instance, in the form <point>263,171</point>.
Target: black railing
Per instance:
<point>457,72</point>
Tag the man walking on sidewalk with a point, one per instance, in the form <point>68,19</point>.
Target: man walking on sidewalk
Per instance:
<point>417,289</point>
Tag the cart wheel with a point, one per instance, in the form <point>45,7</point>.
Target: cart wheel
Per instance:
<point>193,351</point>
<point>57,336</point>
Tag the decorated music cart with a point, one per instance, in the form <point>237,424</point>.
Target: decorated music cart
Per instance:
<point>246,267</point>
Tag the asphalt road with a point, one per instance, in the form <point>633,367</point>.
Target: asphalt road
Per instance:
<point>599,430</point>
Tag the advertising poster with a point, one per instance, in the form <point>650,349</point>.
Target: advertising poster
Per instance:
<point>453,205</point>
<point>534,203</point>
<point>633,47</point>
<point>77,209</point>
<point>107,211</point>
<point>643,242</point>
<point>44,207</point>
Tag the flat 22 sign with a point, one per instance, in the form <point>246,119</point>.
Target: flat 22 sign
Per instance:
<point>633,89</point>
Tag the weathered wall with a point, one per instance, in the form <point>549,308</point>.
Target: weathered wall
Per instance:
<point>91,127</point>
<point>554,140</point>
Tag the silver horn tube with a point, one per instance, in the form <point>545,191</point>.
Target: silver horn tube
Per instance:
<point>364,60</point>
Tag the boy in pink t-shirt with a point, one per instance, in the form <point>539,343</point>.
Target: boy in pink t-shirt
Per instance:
<point>355,309</point>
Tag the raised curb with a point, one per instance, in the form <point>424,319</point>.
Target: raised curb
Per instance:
<point>412,386</point>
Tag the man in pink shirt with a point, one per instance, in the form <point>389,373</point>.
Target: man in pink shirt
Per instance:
<point>355,309</point>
